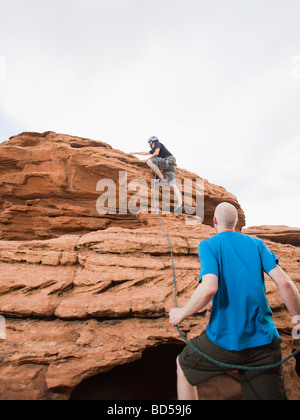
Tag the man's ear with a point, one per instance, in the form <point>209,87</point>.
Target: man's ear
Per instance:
<point>215,221</point>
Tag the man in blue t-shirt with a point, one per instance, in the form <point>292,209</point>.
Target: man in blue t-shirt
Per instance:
<point>241,330</point>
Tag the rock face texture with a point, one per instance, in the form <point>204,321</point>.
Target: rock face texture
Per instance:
<point>48,186</point>
<point>83,293</point>
<point>280,234</point>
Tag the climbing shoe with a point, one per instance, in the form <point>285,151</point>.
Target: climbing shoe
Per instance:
<point>178,210</point>
<point>163,181</point>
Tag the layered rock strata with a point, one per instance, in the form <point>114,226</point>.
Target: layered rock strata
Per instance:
<point>82,293</point>
<point>48,187</point>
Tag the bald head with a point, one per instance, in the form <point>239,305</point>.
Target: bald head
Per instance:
<point>226,216</point>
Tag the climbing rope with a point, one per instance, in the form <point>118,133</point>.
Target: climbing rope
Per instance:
<point>197,350</point>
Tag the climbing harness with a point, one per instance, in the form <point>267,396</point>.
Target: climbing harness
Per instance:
<point>225,365</point>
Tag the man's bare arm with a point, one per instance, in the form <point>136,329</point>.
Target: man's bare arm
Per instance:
<point>156,153</point>
<point>287,289</point>
<point>200,298</point>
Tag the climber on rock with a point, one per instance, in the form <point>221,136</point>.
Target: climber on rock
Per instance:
<point>163,160</point>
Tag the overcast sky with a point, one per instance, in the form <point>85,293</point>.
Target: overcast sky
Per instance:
<point>218,81</point>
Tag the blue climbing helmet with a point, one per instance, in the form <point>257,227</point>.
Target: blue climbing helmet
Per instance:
<point>153,138</point>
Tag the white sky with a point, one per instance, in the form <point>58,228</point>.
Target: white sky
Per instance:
<point>218,81</point>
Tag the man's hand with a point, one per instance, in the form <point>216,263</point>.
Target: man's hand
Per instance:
<point>200,298</point>
<point>176,316</point>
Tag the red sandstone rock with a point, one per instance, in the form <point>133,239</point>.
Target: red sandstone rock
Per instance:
<point>94,302</point>
<point>48,186</point>
<point>281,234</point>
<point>92,297</point>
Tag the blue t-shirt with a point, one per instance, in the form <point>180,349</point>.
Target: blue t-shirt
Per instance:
<point>241,317</point>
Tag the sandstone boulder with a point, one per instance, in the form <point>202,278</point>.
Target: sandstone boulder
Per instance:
<point>83,294</point>
<point>48,186</point>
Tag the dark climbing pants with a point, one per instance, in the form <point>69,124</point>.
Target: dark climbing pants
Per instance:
<point>256,385</point>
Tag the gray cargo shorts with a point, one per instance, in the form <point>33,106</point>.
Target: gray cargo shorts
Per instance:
<point>168,166</point>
